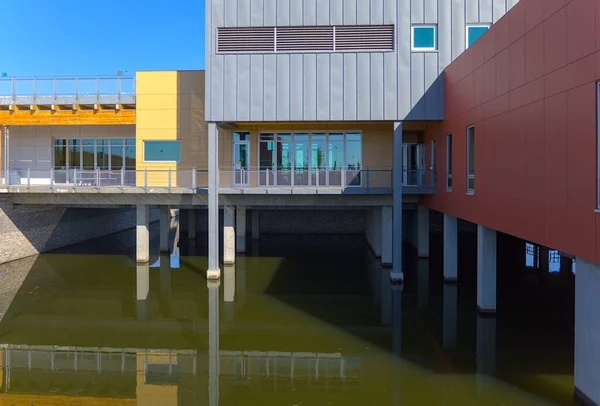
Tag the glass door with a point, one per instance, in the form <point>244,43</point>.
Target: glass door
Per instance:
<point>284,160</point>
<point>241,163</point>
<point>266,160</point>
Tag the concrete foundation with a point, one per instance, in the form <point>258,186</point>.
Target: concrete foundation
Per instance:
<point>450,248</point>
<point>587,332</point>
<point>240,229</point>
<point>387,241</point>
<point>255,224</point>
<point>486,269</point>
<point>165,225</point>
<point>423,232</point>
<point>228,235</point>
<point>142,234</point>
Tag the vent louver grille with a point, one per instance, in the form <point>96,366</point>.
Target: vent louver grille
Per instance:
<point>320,38</point>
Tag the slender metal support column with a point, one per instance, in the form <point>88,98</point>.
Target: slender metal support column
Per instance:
<point>397,275</point>
<point>240,229</point>
<point>450,248</point>
<point>142,234</point>
<point>165,225</point>
<point>213,271</point>
<point>213,342</point>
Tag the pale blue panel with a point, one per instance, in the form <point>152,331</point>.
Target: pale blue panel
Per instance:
<point>230,13</point>
<point>270,100</point>
<point>363,12</point>
<point>257,13</point>
<point>230,87</point>
<point>417,88</point>
<point>243,13</point>
<point>364,86</point>
<point>472,11</point>
<point>256,87</point>
<point>296,12</point>
<point>377,86</point>
<point>486,11</point>
<point>350,89</point>
<point>417,12</point>
<point>499,9</point>
<point>337,87</point>
<point>431,11</point>
<point>162,151</point>
<point>403,50</point>
<point>310,12</point>
<point>323,12</point>
<point>310,87</point>
<point>283,12</point>
<point>458,28</point>
<point>296,86</point>
<point>283,87</point>
<point>389,12</point>
<point>376,12</point>
<point>390,77</point>
<point>350,12</point>
<point>445,34</point>
<point>323,86</point>
<point>243,88</point>
<point>335,12</point>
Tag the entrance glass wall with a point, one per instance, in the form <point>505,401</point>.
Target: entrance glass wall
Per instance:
<point>310,159</point>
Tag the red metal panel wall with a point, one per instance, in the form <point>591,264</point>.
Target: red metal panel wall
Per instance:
<point>529,87</point>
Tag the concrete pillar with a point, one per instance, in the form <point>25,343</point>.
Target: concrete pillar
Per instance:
<point>486,269</point>
<point>213,271</point>
<point>142,289</point>
<point>192,224</point>
<point>450,316</point>
<point>213,342</point>
<point>240,229</point>
<point>255,224</point>
<point>587,332</point>
<point>450,248</point>
<point>397,174</point>
<point>374,230</point>
<point>388,242</point>
<point>165,224</point>
<point>423,231</point>
<point>423,284</point>
<point>142,234</point>
<point>228,235</point>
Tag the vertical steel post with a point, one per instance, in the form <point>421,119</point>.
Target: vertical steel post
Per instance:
<point>213,203</point>
<point>397,274</point>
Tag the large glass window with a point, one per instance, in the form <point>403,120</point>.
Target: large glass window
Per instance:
<point>449,162</point>
<point>60,154</point>
<point>424,37</point>
<point>471,159</point>
<point>88,155</point>
<point>475,31</point>
<point>162,151</point>
<point>75,154</point>
<point>130,154</point>
<point>103,154</point>
<point>116,154</point>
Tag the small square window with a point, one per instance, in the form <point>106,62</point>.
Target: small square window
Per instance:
<point>474,31</point>
<point>162,151</point>
<point>424,38</point>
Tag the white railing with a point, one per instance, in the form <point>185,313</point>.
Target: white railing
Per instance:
<point>81,86</point>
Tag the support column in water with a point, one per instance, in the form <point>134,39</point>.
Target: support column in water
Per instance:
<point>165,225</point>
<point>423,231</point>
<point>142,289</point>
<point>213,271</point>
<point>450,248</point>
<point>486,269</point>
<point>255,224</point>
<point>240,229</point>
<point>228,235</point>
<point>397,175</point>
<point>142,243</point>
<point>213,342</point>
<point>387,236</point>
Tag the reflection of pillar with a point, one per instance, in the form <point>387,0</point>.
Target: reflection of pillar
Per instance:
<point>192,224</point>
<point>423,284</point>
<point>397,176</point>
<point>450,248</point>
<point>387,241</point>
<point>142,234</point>
<point>213,343</point>
<point>229,291</point>
<point>486,269</point>
<point>240,280</point>
<point>255,224</point>
<point>450,316</point>
<point>165,224</point>
<point>213,271</point>
<point>397,319</point>
<point>423,231</point>
<point>228,235</point>
<point>255,248</point>
<point>165,284</point>
<point>142,289</point>
<point>486,345</point>
<point>240,229</point>
<point>386,298</point>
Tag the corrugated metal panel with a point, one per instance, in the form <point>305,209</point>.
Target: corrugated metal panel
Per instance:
<point>376,12</point>
<point>389,12</point>
<point>323,12</point>
<point>417,85</point>
<point>310,87</point>
<point>296,86</point>
<point>323,86</point>
<point>403,53</point>
<point>472,11</point>
<point>336,98</point>
<point>257,76</point>
<point>363,12</point>
<point>431,11</point>
<point>283,13</point>
<point>417,11</point>
<point>336,15</point>
<point>243,14</point>
<point>390,78</point>
<point>350,86</point>
<point>257,13</point>
<point>270,81</point>
<point>315,38</point>
<point>350,7</point>
<point>245,39</point>
<point>283,87</point>
<point>243,88</point>
<point>364,86</point>
<point>485,11</point>
<point>310,12</point>
<point>377,84</point>
<point>445,34</point>
<point>364,38</point>
<point>296,12</point>
<point>458,28</point>
<point>499,9</point>
<point>230,84</point>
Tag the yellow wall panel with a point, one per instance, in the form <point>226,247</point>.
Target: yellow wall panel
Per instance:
<point>156,82</point>
<point>65,118</point>
<point>158,119</point>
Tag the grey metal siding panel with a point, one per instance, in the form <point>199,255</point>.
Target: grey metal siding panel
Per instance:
<point>350,87</point>
<point>431,68</point>
<point>390,77</point>
<point>270,13</point>
<point>472,11</point>
<point>310,12</point>
<point>389,11</point>
<point>377,84</point>
<point>283,87</point>
<point>296,12</point>
<point>363,12</point>
<point>230,13</point>
<point>243,88</point>
<point>256,87</point>
<point>230,85</point>
<point>364,88</point>
<point>337,87</point>
<point>350,11</point>
<point>445,34</point>
<point>296,87</point>
<point>417,11</point>
<point>217,88</point>
<point>431,11</point>
<point>256,13</point>
<point>431,74</point>
<point>510,4</point>
<point>499,9</point>
<point>310,87</point>
<point>208,41</point>
<point>336,12</point>
<point>283,12</point>
<point>270,100</point>
<point>323,86</point>
<point>417,86</point>
<point>376,12</point>
<point>403,54</point>
<point>485,11</point>
<point>323,12</point>
<point>458,28</point>
<point>243,14</point>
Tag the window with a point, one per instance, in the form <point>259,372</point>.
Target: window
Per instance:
<point>449,162</point>
<point>424,37</point>
<point>471,159</point>
<point>474,31</point>
<point>162,151</point>
<point>316,38</point>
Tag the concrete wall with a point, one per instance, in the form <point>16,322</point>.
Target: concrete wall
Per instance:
<point>29,230</point>
<point>529,87</point>
<point>337,86</point>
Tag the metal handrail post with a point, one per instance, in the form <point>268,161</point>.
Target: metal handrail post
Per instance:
<point>145,179</point>
<point>14,88</point>
<point>55,87</point>
<point>119,88</point>
<point>169,181</point>
<point>368,177</point>
<point>52,179</point>
<point>34,88</point>
<point>74,177</point>
<point>98,88</point>
<point>122,177</point>
<point>267,177</point>
<point>343,178</point>
<point>293,180</point>
<point>194,178</point>
<point>97,177</point>
<point>28,178</point>
<point>77,88</point>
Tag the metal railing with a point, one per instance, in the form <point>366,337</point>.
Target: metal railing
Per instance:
<point>55,87</point>
<point>190,180</point>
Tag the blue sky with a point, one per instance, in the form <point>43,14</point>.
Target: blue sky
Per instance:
<point>75,37</point>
